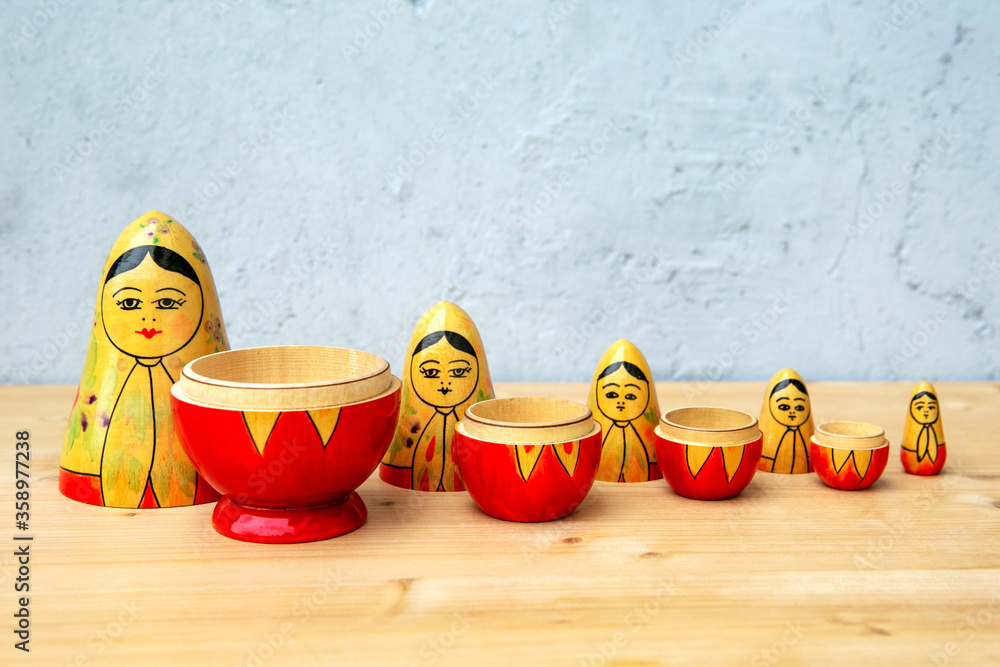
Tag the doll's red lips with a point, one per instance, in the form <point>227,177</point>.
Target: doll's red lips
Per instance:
<point>148,333</point>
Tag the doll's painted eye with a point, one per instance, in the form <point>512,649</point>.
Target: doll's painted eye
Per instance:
<point>430,373</point>
<point>800,408</point>
<point>631,397</point>
<point>129,303</point>
<point>459,372</point>
<point>166,303</point>
<point>611,394</point>
<point>784,406</point>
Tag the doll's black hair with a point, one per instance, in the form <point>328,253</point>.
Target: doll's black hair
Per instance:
<point>456,340</point>
<point>629,367</point>
<point>165,258</point>
<point>798,384</point>
<point>922,394</point>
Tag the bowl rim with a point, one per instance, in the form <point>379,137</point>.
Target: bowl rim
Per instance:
<point>381,366</point>
<point>574,427</point>
<point>735,436</point>
<point>177,391</point>
<point>873,439</point>
<point>264,396</point>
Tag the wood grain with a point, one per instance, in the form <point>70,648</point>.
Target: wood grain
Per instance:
<point>790,572</point>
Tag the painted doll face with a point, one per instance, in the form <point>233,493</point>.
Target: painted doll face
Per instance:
<point>622,397</point>
<point>443,376</point>
<point>789,406</point>
<point>924,410</point>
<point>149,312</point>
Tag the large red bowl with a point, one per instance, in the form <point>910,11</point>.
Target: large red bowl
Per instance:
<point>543,480</point>
<point>287,475</point>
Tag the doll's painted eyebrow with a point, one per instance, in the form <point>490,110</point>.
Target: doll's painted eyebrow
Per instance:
<point>633,385</point>
<point>125,288</point>
<point>429,361</point>
<point>460,361</point>
<point>610,384</point>
<point>172,289</point>
<point>783,398</point>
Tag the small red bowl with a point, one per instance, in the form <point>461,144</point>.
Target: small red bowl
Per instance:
<point>708,453</point>
<point>849,455</point>
<point>287,453</point>
<point>528,459</point>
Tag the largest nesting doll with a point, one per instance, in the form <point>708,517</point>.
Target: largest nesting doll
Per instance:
<point>444,373</point>
<point>156,310</point>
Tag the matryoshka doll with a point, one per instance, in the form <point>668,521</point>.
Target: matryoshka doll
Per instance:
<point>787,424</point>
<point>923,450</point>
<point>156,310</point>
<point>623,400</point>
<point>444,373</point>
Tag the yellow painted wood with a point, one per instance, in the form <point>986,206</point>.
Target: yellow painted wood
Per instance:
<point>156,310</point>
<point>789,572</point>
<point>445,371</point>
<point>623,399</point>
<point>786,422</point>
<point>923,432</point>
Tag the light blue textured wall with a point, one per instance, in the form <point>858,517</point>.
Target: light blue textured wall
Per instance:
<point>735,186</point>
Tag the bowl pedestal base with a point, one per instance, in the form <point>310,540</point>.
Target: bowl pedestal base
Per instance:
<point>288,525</point>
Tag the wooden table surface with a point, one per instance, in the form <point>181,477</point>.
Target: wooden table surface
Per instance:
<point>790,572</point>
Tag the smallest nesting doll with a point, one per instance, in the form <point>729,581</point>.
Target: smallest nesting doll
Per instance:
<point>923,450</point>
<point>787,424</point>
<point>623,400</point>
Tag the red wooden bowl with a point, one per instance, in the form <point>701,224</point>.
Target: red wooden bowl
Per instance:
<point>286,434</point>
<point>849,455</point>
<point>528,459</point>
<point>708,453</point>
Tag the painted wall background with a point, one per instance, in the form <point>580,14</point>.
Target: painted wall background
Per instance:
<point>734,186</point>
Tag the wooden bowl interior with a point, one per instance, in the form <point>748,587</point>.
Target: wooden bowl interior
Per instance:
<point>528,420</point>
<point>708,426</point>
<point>850,435</point>
<point>285,378</point>
<point>286,365</point>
